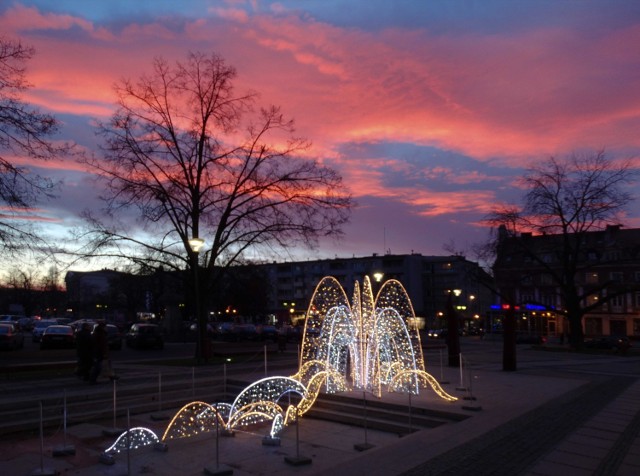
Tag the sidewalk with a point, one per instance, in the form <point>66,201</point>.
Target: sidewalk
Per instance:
<point>528,422</point>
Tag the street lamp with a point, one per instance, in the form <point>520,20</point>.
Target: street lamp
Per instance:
<point>196,245</point>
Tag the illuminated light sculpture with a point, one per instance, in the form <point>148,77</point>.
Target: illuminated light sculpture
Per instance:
<point>408,377</point>
<point>259,401</point>
<point>134,438</point>
<point>192,419</point>
<point>372,344</point>
<point>377,337</point>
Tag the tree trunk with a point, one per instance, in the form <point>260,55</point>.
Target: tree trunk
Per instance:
<point>509,360</point>
<point>453,339</point>
<point>576,334</point>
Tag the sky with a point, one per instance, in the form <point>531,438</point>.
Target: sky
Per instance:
<point>429,110</point>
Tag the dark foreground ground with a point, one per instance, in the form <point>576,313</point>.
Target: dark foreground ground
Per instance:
<point>559,413</point>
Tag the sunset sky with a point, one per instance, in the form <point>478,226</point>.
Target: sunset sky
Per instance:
<point>428,109</point>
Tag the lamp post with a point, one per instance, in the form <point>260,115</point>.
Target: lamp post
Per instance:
<point>377,278</point>
<point>196,244</point>
<point>453,340</point>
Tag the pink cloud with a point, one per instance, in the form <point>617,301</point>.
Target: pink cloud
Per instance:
<point>502,97</point>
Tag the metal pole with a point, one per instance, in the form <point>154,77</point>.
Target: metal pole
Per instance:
<point>159,391</point>
<point>297,433</point>
<point>64,420</point>
<point>364,396</point>
<point>410,423</point>
<point>202,329</point>
<point>193,382</point>
<point>217,440</point>
<point>128,444</point>
<point>265,360</point>
<point>41,441</point>
<point>461,378</point>
<point>114,403</point>
<point>224,379</point>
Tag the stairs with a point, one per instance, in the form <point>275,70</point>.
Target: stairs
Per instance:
<point>380,415</point>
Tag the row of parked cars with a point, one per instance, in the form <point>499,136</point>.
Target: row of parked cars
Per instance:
<point>61,333</point>
<point>10,337</point>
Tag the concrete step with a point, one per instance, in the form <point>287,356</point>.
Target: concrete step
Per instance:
<point>379,415</point>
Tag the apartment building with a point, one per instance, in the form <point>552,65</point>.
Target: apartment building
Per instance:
<point>603,265</point>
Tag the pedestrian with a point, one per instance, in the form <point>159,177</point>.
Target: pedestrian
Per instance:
<point>84,351</point>
<point>100,351</point>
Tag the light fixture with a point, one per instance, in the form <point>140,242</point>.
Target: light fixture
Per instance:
<point>196,244</point>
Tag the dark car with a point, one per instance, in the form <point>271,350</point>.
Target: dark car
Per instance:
<point>25,324</point>
<point>145,336</point>
<point>114,336</point>
<point>39,328</point>
<point>267,332</point>
<point>616,343</point>
<point>10,337</point>
<point>194,329</point>
<point>441,333</point>
<point>58,337</point>
<point>438,333</point>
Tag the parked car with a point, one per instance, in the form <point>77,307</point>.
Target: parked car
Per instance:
<point>10,337</point>
<point>78,324</point>
<point>194,328</point>
<point>10,318</point>
<point>442,333</point>
<point>145,336</point>
<point>25,324</point>
<point>617,343</point>
<point>114,336</point>
<point>58,336</point>
<point>267,332</point>
<point>225,331</point>
<point>475,331</point>
<point>39,328</point>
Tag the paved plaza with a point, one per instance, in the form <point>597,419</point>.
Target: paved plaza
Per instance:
<point>559,413</point>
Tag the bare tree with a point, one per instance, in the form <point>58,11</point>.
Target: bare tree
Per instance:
<point>192,159</point>
<point>565,200</point>
<point>23,133</point>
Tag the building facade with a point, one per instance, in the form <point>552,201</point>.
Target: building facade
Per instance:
<point>284,290</point>
<point>605,270</point>
<point>428,280</point>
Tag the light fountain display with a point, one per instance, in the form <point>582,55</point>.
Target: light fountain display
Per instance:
<point>372,345</point>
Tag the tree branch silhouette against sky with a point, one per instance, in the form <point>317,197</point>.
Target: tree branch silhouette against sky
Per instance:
<point>430,111</point>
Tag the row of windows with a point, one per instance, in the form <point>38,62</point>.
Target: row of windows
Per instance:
<point>589,278</point>
<point>611,255</point>
<point>622,303</point>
